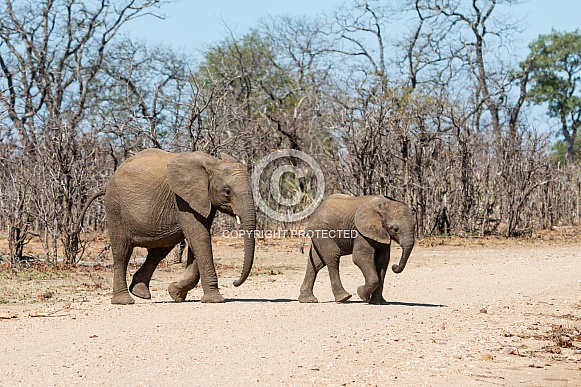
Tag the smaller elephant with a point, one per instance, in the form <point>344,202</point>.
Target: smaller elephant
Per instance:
<point>363,226</point>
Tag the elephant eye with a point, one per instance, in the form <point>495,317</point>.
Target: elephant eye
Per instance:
<point>394,229</point>
<point>227,191</point>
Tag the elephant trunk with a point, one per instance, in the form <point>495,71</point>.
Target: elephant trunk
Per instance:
<point>405,254</point>
<point>248,221</point>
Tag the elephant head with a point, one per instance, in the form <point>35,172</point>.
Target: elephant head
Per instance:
<point>383,219</point>
<point>206,182</point>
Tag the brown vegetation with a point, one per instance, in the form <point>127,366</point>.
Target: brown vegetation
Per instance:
<point>438,122</point>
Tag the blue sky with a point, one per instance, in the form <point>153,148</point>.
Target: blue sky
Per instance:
<point>193,25</point>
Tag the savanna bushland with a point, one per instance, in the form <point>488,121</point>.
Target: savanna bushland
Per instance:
<point>425,101</point>
<point>437,112</point>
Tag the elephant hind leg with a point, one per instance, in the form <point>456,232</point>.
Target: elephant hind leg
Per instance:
<point>341,295</point>
<point>333,259</point>
<point>140,283</point>
<point>179,290</point>
<point>121,250</point>
<point>329,253</point>
<point>314,264</point>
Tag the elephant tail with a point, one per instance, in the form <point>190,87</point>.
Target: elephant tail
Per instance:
<point>84,211</point>
<point>302,248</point>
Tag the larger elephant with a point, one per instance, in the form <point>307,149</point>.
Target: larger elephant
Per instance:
<point>363,226</point>
<point>155,199</point>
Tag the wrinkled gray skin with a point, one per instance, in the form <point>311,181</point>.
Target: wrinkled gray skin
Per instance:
<point>155,199</point>
<point>377,220</point>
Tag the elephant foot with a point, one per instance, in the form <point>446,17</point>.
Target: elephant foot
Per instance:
<point>308,299</point>
<point>342,297</point>
<point>122,298</point>
<point>175,294</point>
<point>377,301</point>
<point>140,290</point>
<point>363,293</point>
<point>213,297</point>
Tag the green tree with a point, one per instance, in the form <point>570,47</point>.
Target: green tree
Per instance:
<point>258,82</point>
<point>274,77</point>
<point>555,77</point>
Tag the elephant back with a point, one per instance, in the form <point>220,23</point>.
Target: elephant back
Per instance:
<point>140,193</point>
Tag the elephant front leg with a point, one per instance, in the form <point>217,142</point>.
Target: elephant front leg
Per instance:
<point>196,229</point>
<point>179,290</point>
<point>210,283</point>
<point>381,263</point>
<point>364,258</point>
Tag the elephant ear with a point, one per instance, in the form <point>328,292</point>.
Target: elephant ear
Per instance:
<point>187,176</point>
<point>369,221</point>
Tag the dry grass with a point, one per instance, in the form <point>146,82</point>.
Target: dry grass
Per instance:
<point>557,235</point>
<point>39,281</point>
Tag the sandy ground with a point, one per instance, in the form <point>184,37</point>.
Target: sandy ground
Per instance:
<point>498,314</point>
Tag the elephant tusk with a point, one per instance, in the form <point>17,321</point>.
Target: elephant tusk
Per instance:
<point>237,219</point>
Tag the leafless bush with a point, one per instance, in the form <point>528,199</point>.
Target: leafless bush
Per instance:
<point>447,135</point>
<point>16,195</point>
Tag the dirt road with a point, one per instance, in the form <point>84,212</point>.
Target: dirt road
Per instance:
<point>492,315</point>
